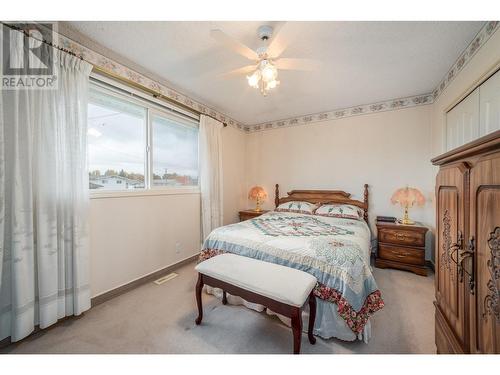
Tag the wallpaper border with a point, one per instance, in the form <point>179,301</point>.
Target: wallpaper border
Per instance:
<point>121,70</point>
<point>109,64</point>
<point>489,28</point>
<point>388,105</point>
<point>479,40</point>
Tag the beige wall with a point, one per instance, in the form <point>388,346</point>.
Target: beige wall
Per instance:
<point>387,150</point>
<point>132,236</point>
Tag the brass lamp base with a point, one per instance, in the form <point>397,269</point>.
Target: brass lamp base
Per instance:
<point>406,220</point>
<point>257,208</point>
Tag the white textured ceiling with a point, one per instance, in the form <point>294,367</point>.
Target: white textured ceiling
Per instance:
<point>360,62</point>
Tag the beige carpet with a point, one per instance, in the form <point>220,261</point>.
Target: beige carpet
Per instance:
<point>160,319</point>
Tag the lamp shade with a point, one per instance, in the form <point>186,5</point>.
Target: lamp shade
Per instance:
<point>257,193</point>
<point>407,197</point>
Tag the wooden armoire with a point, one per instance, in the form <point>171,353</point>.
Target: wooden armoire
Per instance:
<point>467,260</point>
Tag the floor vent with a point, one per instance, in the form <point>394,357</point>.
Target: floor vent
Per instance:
<point>166,278</point>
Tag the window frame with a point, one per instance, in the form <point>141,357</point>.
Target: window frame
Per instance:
<point>158,113</point>
<point>153,107</point>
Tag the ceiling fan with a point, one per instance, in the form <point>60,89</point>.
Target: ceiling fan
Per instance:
<point>266,59</point>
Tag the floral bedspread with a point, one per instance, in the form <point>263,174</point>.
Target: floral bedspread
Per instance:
<point>334,250</point>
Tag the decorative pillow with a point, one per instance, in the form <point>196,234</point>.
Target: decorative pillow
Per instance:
<point>346,211</point>
<point>299,207</point>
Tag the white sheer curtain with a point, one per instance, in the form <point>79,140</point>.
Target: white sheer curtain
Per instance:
<point>44,200</point>
<point>210,155</point>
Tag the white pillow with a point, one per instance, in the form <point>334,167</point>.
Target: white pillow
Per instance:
<point>300,207</point>
<point>346,211</point>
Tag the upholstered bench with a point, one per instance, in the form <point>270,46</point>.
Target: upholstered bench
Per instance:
<point>282,289</point>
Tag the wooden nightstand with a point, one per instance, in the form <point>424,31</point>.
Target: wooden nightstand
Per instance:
<point>401,246</point>
<point>250,214</point>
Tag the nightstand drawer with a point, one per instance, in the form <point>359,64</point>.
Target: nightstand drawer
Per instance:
<point>251,214</point>
<point>244,217</point>
<point>401,236</point>
<point>401,254</point>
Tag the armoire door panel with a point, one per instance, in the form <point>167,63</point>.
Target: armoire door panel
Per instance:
<point>485,228</point>
<point>468,309</point>
<point>449,207</point>
<point>450,194</point>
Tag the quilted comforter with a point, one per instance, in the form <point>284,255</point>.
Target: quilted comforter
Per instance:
<point>334,250</point>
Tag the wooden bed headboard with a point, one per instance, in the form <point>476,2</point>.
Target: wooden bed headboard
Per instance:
<point>323,196</point>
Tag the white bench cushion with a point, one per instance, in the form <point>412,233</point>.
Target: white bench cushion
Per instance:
<point>280,283</point>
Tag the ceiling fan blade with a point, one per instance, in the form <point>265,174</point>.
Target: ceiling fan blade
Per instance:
<point>233,44</point>
<point>278,42</point>
<point>297,64</point>
<point>240,71</point>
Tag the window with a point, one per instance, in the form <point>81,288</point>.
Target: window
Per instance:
<point>121,133</point>
<point>175,152</point>
<point>116,143</point>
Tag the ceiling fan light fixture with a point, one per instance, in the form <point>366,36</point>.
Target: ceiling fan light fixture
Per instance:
<point>253,80</point>
<point>269,71</point>
<point>267,58</point>
<point>264,77</point>
<point>272,84</point>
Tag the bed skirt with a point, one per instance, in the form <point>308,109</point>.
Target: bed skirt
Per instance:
<point>328,323</point>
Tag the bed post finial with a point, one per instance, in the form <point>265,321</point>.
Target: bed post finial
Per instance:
<point>277,196</point>
<point>365,199</point>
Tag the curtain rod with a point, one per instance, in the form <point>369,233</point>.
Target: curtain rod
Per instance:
<point>115,76</point>
<point>153,93</point>
<point>102,81</point>
<point>13,27</point>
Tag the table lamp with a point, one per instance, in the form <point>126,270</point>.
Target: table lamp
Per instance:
<point>258,194</point>
<point>407,197</point>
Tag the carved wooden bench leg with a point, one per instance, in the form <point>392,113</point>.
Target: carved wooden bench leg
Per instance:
<point>199,288</point>
<point>224,297</point>
<point>297,329</point>
<point>312,317</point>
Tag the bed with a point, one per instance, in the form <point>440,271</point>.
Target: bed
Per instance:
<point>336,250</point>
